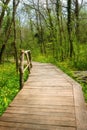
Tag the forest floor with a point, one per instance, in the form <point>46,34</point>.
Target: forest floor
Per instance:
<point>9,84</point>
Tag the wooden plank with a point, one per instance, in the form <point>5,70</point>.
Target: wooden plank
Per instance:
<point>47,109</point>
<point>20,126</point>
<point>42,112</point>
<point>40,115</point>
<point>47,84</point>
<point>35,119</point>
<point>45,95</point>
<point>54,94</point>
<point>44,102</point>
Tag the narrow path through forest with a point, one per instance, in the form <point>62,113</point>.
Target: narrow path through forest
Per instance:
<point>50,100</point>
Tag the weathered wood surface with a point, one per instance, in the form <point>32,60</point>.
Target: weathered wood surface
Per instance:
<point>22,64</point>
<point>50,100</point>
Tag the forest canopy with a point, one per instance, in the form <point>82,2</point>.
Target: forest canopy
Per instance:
<point>51,27</point>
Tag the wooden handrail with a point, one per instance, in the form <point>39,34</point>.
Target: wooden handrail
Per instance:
<point>22,67</point>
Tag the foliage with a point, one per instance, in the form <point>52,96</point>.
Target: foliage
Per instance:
<point>84,88</point>
<point>9,84</point>
<point>43,58</point>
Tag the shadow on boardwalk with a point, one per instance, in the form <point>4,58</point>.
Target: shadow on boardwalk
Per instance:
<point>50,100</point>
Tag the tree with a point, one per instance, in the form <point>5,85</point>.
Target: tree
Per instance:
<point>7,31</point>
<point>14,29</point>
<point>4,7</point>
<point>77,18</point>
<point>69,26</point>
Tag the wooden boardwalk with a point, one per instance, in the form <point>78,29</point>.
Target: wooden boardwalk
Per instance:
<point>50,100</point>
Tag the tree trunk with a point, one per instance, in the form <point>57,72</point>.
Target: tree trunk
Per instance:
<point>14,29</point>
<point>77,19</point>
<point>7,35</point>
<point>58,13</point>
<point>41,34</point>
<point>52,34</point>
<point>3,12</point>
<point>69,26</point>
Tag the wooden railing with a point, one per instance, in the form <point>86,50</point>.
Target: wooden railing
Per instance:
<point>24,65</point>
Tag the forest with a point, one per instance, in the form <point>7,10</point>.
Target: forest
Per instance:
<point>54,30</point>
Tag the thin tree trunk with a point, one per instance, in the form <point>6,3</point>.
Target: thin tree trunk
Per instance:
<point>7,35</point>
<point>20,32</point>
<point>4,45</point>
<point>14,29</point>
<point>52,35</point>
<point>37,24</point>
<point>41,33</point>
<point>3,12</point>
<point>58,13</point>
<point>69,26</point>
<point>77,18</point>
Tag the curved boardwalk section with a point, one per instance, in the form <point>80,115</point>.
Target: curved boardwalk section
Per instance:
<point>50,100</point>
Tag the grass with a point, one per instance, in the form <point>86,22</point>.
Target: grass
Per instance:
<point>9,84</point>
<point>43,58</point>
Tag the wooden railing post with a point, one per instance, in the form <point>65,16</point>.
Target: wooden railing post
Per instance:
<point>28,62</point>
<point>21,69</point>
<point>29,54</point>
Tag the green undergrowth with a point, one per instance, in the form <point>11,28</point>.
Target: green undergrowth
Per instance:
<point>43,59</point>
<point>9,84</point>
